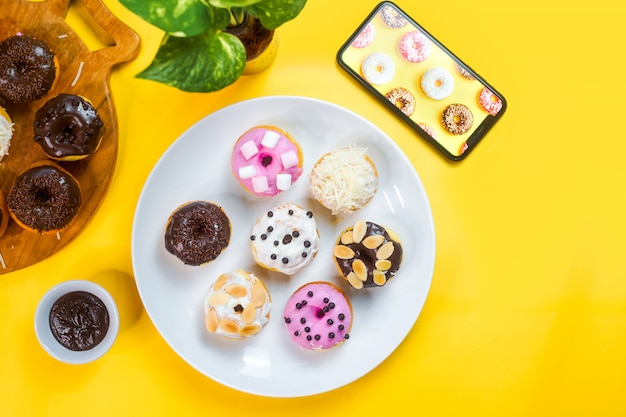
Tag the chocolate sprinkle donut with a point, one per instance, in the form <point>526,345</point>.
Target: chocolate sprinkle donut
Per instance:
<point>68,127</point>
<point>197,232</point>
<point>457,119</point>
<point>44,198</point>
<point>27,69</point>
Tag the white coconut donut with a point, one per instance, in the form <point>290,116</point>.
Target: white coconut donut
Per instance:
<point>378,68</point>
<point>437,83</point>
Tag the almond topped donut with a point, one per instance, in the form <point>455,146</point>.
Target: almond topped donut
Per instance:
<point>68,128</point>
<point>367,255</point>
<point>285,239</point>
<point>237,305</point>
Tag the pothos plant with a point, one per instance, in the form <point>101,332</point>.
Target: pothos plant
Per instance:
<point>197,53</point>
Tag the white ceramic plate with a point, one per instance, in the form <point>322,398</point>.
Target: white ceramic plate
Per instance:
<point>197,167</point>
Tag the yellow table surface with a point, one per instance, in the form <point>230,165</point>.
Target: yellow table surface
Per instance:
<point>526,315</point>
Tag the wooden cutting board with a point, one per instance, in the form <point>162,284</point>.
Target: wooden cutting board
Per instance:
<point>81,71</point>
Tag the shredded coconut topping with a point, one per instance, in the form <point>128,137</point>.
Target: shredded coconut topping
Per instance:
<point>344,180</point>
<point>6,132</point>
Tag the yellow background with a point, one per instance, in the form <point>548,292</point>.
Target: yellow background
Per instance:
<point>527,311</point>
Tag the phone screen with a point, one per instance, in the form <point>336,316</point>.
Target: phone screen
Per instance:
<point>418,78</point>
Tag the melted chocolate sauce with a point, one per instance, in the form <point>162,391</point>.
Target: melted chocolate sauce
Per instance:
<point>79,320</point>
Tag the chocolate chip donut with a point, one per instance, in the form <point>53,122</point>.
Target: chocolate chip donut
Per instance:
<point>367,255</point>
<point>285,239</point>
<point>197,232</point>
<point>45,198</point>
<point>68,128</point>
<point>27,69</point>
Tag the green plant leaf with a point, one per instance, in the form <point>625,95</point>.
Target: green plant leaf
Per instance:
<point>227,4</point>
<point>180,17</point>
<point>273,13</point>
<point>202,63</point>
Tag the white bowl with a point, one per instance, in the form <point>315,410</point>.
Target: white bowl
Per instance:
<point>47,339</point>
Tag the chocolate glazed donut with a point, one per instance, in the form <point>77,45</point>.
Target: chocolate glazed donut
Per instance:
<point>68,128</point>
<point>45,198</point>
<point>197,232</point>
<point>27,69</point>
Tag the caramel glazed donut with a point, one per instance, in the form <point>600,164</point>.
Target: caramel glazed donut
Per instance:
<point>27,69</point>
<point>367,255</point>
<point>45,198</point>
<point>68,128</point>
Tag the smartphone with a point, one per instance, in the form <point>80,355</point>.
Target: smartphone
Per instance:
<point>440,97</point>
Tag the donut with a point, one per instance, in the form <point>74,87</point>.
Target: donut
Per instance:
<point>344,180</point>
<point>378,68</point>
<point>318,316</point>
<point>68,128</point>
<point>465,73</point>
<point>457,119</point>
<point>428,129</point>
<point>28,69</point>
<point>197,232</point>
<point>489,102</point>
<point>237,305</point>
<point>415,46</point>
<point>285,239</point>
<point>437,83</point>
<point>402,99</point>
<point>367,255</point>
<point>266,161</point>
<point>365,37</point>
<point>392,17</point>
<point>45,198</point>
<point>4,214</point>
<point>6,132</point>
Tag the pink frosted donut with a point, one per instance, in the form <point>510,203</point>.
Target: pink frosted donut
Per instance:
<point>428,129</point>
<point>489,101</point>
<point>415,46</point>
<point>365,37</point>
<point>318,316</point>
<point>266,160</point>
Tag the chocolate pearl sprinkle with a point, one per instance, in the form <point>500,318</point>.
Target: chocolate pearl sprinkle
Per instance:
<point>330,322</point>
<point>318,337</point>
<point>285,261</point>
<point>304,254</point>
<point>263,236</point>
<point>310,293</point>
<point>270,214</point>
<point>308,337</point>
<point>295,233</point>
<point>270,229</point>
<point>326,300</point>
<point>276,243</point>
<point>309,214</point>
<point>287,320</point>
<point>273,256</point>
<point>331,335</point>
<point>290,212</point>
<point>302,320</point>
<point>341,316</point>
<point>307,244</point>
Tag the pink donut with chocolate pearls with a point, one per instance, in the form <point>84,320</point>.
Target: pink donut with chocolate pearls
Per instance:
<point>318,316</point>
